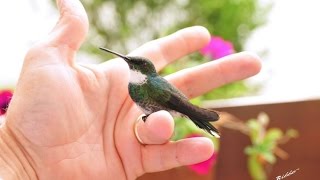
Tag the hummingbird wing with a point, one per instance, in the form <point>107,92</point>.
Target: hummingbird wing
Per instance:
<point>173,99</point>
<point>201,117</point>
<point>179,102</point>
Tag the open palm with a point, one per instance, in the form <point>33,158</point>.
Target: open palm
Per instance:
<point>77,121</point>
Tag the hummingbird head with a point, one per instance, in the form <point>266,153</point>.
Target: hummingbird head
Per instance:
<point>140,67</point>
<point>140,64</point>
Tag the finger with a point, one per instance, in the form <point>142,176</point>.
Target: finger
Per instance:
<point>65,38</point>
<point>174,154</point>
<point>72,26</point>
<point>157,129</point>
<point>167,49</point>
<point>203,78</point>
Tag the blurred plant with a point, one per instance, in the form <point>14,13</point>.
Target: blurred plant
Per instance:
<point>265,142</point>
<point>264,146</point>
<point>123,25</point>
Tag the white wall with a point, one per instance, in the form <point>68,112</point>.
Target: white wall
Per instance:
<point>292,39</point>
<point>22,23</point>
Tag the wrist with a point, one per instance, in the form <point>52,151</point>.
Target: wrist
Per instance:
<point>13,162</point>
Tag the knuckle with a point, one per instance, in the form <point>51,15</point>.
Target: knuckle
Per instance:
<point>34,51</point>
<point>38,51</point>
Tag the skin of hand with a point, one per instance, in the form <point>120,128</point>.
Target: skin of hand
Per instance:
<point>77,121</point>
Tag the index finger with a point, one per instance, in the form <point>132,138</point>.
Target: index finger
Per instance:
<point>167,49</point>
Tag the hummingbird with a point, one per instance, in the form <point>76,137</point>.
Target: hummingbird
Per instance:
<point>152,93</point>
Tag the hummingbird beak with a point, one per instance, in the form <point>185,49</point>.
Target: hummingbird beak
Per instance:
<point>115,53</point>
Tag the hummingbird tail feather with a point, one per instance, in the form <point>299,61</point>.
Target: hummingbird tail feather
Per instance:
<point>205,125</point>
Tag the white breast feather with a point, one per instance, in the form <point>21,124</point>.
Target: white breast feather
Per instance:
<point>136,77</point>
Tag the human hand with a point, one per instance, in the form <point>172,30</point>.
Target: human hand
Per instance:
<point>68,120</point>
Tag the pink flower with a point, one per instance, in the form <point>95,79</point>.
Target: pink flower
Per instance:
<point>206,166</point>
<point>5,97</point>
<point>217,48</point>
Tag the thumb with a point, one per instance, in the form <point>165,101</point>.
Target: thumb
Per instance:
<point>72,27</point>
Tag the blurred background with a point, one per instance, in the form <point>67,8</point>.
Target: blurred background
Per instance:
<point>284,33</point>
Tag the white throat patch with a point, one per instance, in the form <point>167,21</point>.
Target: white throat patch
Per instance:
<point>137,77</point>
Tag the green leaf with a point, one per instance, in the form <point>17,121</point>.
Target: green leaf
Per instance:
<point>256,170</point>
<point>269,157</point>
<point>251,150</point>
<point>168,70</point>
<point>270,140</point>
<point>197,101</point>
<point>255,128</point>
<point>273,134</point>
<point>235,89</point>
